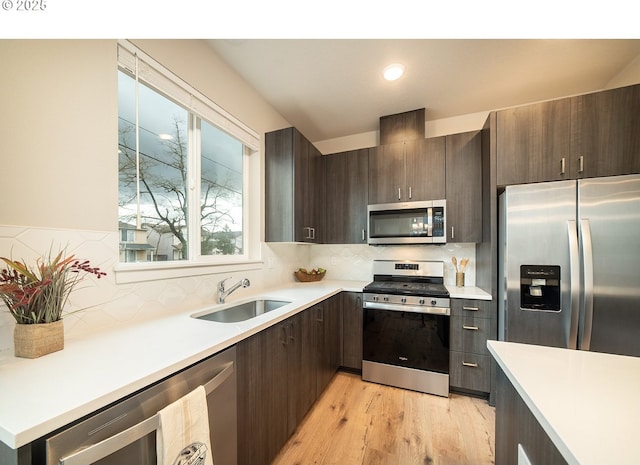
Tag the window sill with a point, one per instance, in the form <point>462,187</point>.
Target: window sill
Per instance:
<point>139,272</point>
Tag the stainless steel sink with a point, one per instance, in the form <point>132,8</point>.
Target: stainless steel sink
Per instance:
<point>243,312</point>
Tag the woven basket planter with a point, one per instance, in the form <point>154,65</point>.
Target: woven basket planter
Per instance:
<point>33,341</point>
<point>308,277</point>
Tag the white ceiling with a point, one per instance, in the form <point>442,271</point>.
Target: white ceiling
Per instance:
<point>330,88</point>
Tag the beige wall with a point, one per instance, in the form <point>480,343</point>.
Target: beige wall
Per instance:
<point>58,125</point>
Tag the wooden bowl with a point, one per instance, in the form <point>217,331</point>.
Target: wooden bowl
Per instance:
<point>308,277</point>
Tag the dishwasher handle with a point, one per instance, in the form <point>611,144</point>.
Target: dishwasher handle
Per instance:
<point>128,436</point>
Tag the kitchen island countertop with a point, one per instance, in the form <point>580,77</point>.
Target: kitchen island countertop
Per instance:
<point>40,395</point>
<point>586,402</point>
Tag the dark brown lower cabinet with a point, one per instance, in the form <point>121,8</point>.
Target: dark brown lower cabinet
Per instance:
<point>517,426</point>
<point>352,330</point>
<point>281,372</point>
<point>262,395</point>
<point>469,359</point>
<point>328,336</point>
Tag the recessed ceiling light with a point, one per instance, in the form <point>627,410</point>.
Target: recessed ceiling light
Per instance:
<point>393,72</point>
<point>165,136</point>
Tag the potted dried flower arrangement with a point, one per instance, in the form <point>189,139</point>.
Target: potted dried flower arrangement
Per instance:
<point>36,296</point>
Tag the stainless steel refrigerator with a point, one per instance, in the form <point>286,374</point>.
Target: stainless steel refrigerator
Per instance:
<point>569,261</point>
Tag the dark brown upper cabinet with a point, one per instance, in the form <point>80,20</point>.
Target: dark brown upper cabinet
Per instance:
<point>605,132</point>
<point>464,187</point>
<point>577,137</point>
<point>347,190</point>
<point>407,171</point>
<point>533,143</point>
<point>402,127</point>
<point>294,188</point>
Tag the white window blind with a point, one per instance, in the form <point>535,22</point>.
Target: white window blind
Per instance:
<point>157,76</point>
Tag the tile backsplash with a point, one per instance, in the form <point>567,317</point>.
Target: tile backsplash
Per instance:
<point>98,305</point>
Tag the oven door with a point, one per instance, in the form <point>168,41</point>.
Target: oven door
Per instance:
<point>407,339</point>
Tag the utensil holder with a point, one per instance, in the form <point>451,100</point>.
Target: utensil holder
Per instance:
<point>459,279</point>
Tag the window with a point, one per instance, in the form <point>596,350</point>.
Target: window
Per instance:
<point>182,168</point>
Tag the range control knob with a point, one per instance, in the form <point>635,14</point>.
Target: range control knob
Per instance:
<point>375,298</point>
<point>403,300</point>
<point>421,301</point>
<point>386,298</point>
<point>433,302</point>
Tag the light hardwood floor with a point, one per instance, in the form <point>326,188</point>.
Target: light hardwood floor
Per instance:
<point>356,422</point>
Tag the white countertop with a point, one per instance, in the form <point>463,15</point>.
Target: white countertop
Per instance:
<point>94,371</point>
<point>587,402</point>
<point>98,369</point>
<point>468,292</point>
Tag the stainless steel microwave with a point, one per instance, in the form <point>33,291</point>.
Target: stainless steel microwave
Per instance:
<point>407,223</point>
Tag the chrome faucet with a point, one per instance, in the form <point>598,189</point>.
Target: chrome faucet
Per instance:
<point>224,293</point>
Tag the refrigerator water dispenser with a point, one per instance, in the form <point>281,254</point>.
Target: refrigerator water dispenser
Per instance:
<point>540,288</point>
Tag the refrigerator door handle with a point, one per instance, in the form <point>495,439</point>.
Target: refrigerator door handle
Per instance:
<point>587,273</point>
<point>574,283</point>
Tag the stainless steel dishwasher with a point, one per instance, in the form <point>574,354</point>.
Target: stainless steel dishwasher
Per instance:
<point>126,431</point>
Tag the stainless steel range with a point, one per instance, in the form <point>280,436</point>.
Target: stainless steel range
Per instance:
<point>406,326</point>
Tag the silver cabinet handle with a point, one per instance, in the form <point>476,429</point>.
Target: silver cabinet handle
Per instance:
<point>311,232</point>
<point>130,435</point>
<point>581,165</point>
<point>399,194</point>
<point>472,365</point>
<point>363,238</point>
<point>562,166</point>
<point>471,328</point>
<point>471,309</point>
<point>453,234</point>
<point>409,192</point>
<point>292,338</point>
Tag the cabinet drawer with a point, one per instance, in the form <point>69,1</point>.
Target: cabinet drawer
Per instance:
<point>470,307</point>
<point>470,334</point>
<point>470,371</point>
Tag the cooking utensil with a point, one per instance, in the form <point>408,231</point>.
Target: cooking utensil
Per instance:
<point>454,260</point>
<point>463,264</point>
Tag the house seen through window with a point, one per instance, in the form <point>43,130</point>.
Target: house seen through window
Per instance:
<point>180,180</point>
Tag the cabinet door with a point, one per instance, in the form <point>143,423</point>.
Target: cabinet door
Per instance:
<point>346,197</point>
<point>279,186</point>
<point>386,174</point>
<point>469,334</point>
<point>425,169</point>
<point>328,333</point>
<point>605,134</point>
<point>312,193</point>
<point>294,188</point>
<point>262,395</point>
<point>470,371</point>
<point>302,367</point>
<point>352,330</point>
<point>533,143</point>
<point>464,187</point>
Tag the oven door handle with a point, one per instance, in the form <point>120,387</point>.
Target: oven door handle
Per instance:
<point>405,308</point>
<point>130,435</point>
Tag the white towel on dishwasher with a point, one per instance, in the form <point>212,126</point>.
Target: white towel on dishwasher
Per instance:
<point>183,434</point>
